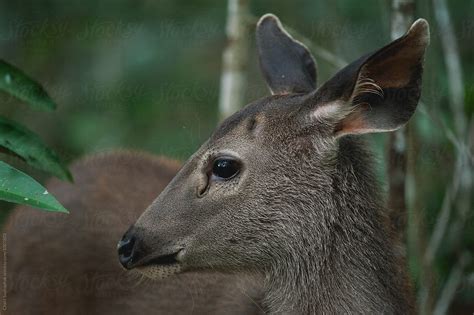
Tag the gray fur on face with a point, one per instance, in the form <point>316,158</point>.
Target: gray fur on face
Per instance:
<point>305,210</point>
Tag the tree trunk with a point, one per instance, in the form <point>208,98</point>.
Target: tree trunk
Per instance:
<point>402,18</point>
<point>234,59</point>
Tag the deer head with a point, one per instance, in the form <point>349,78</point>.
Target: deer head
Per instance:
<point>286,182</point>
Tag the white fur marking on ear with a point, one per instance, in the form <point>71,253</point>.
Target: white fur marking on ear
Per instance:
<point>336,110</point>
<point>365,85</point>
<point>326,110</point>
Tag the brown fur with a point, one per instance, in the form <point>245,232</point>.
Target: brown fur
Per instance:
<point>67,264</point>
<point>303,211</point>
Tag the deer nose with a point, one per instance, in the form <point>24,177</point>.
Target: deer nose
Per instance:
<point>126,250</point>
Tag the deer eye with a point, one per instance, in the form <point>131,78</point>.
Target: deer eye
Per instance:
<point>225,168</point>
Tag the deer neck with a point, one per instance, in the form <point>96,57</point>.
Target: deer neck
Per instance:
<point>355,268</point>
<point>348,282</point>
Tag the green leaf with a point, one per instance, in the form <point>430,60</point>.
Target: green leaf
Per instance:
<point>17,187</point>
<point>31,149</point>
<point>16,83</point>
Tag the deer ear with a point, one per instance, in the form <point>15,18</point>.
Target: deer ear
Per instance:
<point>287,65</point>
<point>380,91</point>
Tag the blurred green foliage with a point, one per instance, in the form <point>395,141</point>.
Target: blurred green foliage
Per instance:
<point>16,186</point>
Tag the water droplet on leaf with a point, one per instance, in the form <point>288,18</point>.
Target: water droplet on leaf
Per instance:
<point>8,78</point>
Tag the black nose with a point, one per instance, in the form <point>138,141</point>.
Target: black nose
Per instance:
<point>126,250</point>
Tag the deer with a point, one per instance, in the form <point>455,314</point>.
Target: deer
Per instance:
<point>279,211</point>
<point>285,190</point>
<point>67,264</point>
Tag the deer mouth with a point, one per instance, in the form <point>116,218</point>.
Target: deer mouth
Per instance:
<point>164,260</point>
<point>161,267</point>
